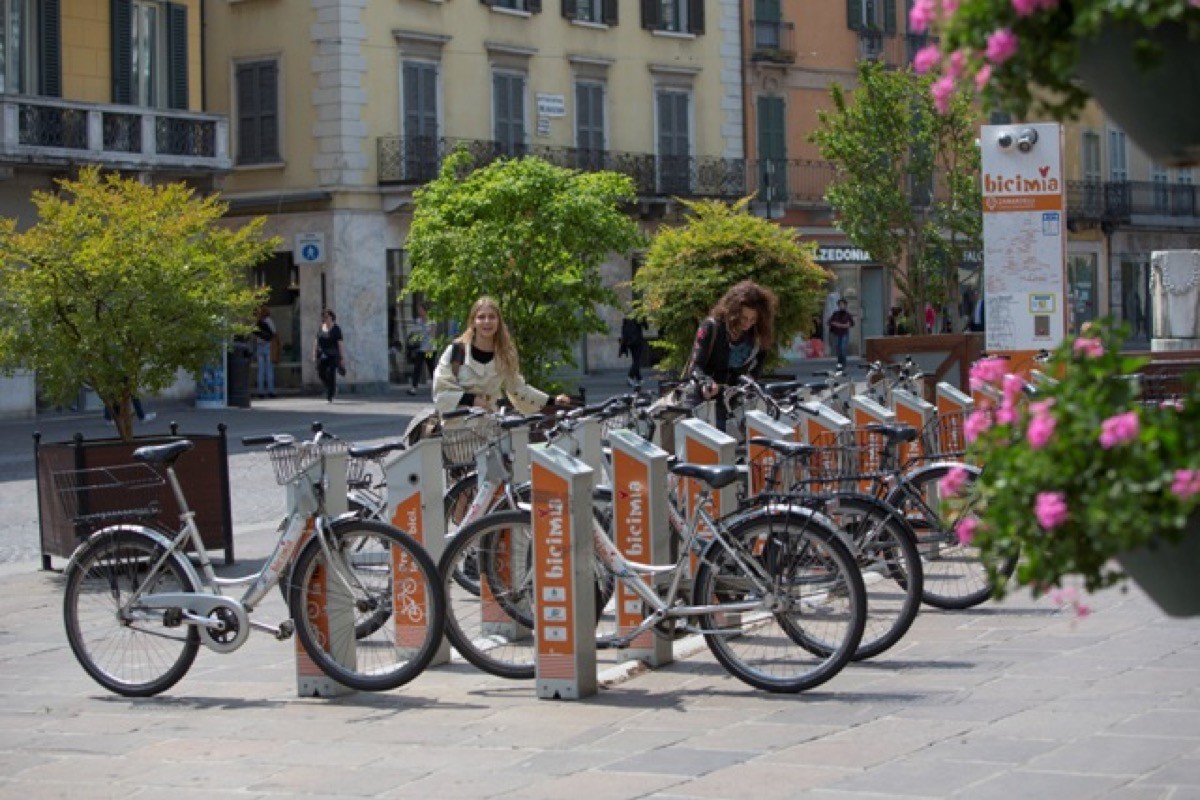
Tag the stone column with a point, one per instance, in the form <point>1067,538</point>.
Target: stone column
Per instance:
<point>1175,300</point>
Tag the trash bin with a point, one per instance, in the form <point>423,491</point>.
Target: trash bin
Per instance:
<point>237,366</point>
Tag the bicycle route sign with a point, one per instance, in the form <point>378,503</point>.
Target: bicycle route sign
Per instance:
<point>309,248</point>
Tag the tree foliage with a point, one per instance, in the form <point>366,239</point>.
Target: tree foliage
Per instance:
<point>688,268</point>
<point>120,285</point>
<point>907,188</point>
<point>531,235</point>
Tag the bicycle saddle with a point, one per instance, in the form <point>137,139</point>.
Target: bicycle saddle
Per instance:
<point>894,433</point>
<point>783,446</point>
<point>717,477</point>
<point>162,453</point>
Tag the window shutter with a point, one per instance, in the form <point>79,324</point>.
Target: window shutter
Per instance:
<point>122,52</point>
<point>177,56</point>
<point>570,8</point>
<point>268,106</point>
<point>854,14</point>
<point>247,118</point>
<point>50,50</point>
<point>695,18</point>
<point>651,15</point>
<point>889,16</point>
<point>609,12</point>
<point>488,3</point>
<point>534,6</point>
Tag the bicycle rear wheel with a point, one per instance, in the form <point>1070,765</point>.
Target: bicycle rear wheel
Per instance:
<point>381,572</point>
<point>136,653</point>
<point>813,605</point>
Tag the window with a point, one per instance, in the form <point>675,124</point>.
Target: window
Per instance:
<point>531,6</point>
<point>29,47</point>
<point>674,144</point>
<point>149,53</point>
<point>675,16</point>
<point>772,151</point>
<point>871,15</point>
<point>1093,189</point>
<point>589,125</point>
<point>1118,169</point>
<point>1159,180</point>
<point>420,143</point>
<point>600,11</point>
<point>508,113</point>
<point>767,19</point>
<point>258,112</point>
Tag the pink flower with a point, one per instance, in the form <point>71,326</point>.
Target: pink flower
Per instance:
<point>1025,7</point>
<point>1186,484</point>
<point>983,76</point>
<point>1007,413</point>
<point>952,482</point>
<point>1041,408</point>
<point>965,529</point>
<point>1117,430</point>
<point>950,7</point>
<point>942,88</point>
<point>977,424</point>
<point>989,370</point>
<point>1088,347</point>
<point>1001,46</point>
<point>1041,429</point>
<point>1050,509</point>
<point>1012,386</point>
<point>926,58</point>
<point>920,15</point>
<point>954,68</point>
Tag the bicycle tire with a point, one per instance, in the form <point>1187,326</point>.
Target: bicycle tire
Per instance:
<point>133,658</point>
<point>955,575</point>
<point>812,574</point>
<point>389,570</point>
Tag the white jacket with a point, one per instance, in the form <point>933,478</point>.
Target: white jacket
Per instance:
<point>477,379</point>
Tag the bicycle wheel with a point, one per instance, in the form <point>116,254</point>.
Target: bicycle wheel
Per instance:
<point>955,575</point>
<point>380,572</point>
<point>456,503</point>
<point>133,652</point>
<point>886,550</point>
<point>812,602</point>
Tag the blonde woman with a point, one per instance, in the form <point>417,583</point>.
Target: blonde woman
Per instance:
<point>482,364</point>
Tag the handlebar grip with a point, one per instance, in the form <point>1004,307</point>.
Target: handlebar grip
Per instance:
<point>259,438</point>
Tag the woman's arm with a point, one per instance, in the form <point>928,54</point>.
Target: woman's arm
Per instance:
<point>525,398</point>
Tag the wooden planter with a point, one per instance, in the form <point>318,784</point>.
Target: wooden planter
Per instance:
<point>203,473</point>
<point>941,356</point>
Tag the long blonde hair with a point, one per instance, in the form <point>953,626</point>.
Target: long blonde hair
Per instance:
<point>507,362</point>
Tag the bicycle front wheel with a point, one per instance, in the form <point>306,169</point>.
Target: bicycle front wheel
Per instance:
<point>812,605</point>
<point>373,619</point>
<point>131,651</point>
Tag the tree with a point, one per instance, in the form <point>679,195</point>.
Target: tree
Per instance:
<point>532,236</point>
<point>688,268</point>
<point>120,285</point>
<point>907,189</point>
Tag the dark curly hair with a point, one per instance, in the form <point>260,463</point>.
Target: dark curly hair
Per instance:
<point>749,294</point>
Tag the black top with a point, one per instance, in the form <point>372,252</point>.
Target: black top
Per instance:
<point>327,343</point>
<point>716,358</point>
<point>457,357</point>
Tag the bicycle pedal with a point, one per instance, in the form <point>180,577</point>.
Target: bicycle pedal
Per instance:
<point>611,644</point>
<point>286,629</point>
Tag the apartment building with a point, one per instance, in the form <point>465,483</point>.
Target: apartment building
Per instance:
<point>341,108</point>
<point>113,83</point>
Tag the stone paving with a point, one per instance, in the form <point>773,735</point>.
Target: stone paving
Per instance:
<point>1012,699</point>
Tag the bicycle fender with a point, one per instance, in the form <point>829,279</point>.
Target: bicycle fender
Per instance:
<point>157,536</point>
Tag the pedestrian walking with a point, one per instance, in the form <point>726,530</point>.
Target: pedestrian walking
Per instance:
<point>633,344</point>
<point>265,348</point>
<point>839,324</point>
<point>420,348</point>
<point>330,353</point>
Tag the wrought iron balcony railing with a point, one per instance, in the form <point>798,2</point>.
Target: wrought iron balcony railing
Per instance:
<point>1133,202</point>
<point>56,132</point>
<point>772,40</point>
<point>417,160</point>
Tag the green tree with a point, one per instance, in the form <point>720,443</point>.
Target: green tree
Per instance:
<point>531,235</point>
<point>120,285</point>
<point>907,188</point>
<point>688,268</point>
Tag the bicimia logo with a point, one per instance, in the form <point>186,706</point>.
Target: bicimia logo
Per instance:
<point>1021,184</point>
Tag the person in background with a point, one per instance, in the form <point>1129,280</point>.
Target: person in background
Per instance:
<point>481,365</point>
<point>896,324</point>
<point>330,353</point>
<point>264,334</point>
<point>633,343</point>
<point>421,355</point>
<point>839,324</point>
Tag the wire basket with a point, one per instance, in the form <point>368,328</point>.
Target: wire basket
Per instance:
<point>291,459</point>
<point>841,459</point>
<point>461,442</point>
<point>622,421</point>
<point>105,494</point>
<point>943,437</point>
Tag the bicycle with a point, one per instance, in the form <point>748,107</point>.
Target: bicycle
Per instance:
<point>136,609</point>
<point>777,594</point>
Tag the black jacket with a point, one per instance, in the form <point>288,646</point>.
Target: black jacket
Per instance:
<point>710,356</point>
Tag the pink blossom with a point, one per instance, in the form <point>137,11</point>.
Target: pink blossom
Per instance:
<point>1050,509</point>
<point>926,58</point>
<point>1007,413</point>
<point>952,482</point>
<point>1041,429</point>
<point>954,67</point>
<point>977,424</point>
<point>1025,7</point>
<point>989,370</point>
<point>983,76</point>
<point>1186,484</point>
<point>1001,46</point>
<point>1082,609</point>
<point>1119,429</point>
<point>1013,386</point>
<point>1088,347</point>
<point>950,7</point>
<point>965,529</point>
<point>1041,408</point>
<point>942,88</point>
<point>920,15</point>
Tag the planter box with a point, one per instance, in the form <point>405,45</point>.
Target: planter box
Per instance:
<point>203,473</point>
<point>941,356</point>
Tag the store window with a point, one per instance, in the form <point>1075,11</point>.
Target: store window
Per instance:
<point>1082,289</point>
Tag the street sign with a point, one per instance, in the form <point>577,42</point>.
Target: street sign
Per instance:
<point>310,248</point>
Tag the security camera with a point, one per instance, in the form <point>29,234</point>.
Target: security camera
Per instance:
<point>1005,140</point>
<point>1027,140</point>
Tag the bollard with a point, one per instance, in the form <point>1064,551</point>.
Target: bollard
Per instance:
<point>697,442</point>
<point>640,531</point>
<point>520,454</point>
<point>565,667</point>
<point>762,460</point>
<point>416,484</point>
<point>917,413</point>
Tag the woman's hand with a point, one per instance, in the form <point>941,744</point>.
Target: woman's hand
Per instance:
<point>563,400</point>
<point>710,390</point>
<point>482,401</point>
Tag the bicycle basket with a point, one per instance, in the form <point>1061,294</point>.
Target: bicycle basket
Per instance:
<point>289,460</point>
<point>841,458</point>
<point>108,494</point>
<point>943,435</point>
<point>460,443</point>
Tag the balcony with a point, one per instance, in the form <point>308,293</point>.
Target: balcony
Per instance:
<point>51,132</point>
<point>1133,203</point>
<point>772,41</point>
<point>795,182</point>
<point>417,160</point>
<point>888,48</point>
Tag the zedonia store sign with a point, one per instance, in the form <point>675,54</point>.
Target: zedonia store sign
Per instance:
<point>1024,225</point>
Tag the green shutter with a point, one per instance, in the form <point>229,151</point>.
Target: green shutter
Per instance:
<point>854,14</point>
<point>609,12</point>
<point>767,11</point>
<point>122,52</point>
<point>651,15</point>
<point>695,18</point>
<point>177,56</point>
<point>50,49</point>
<point>534,6</point>
<point>889,16</point>
<point>569,8</point>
